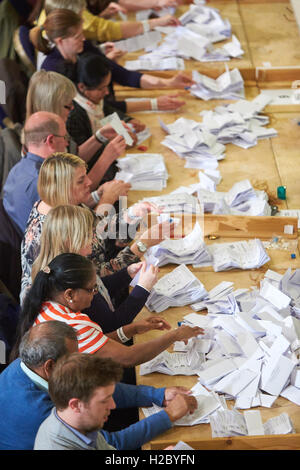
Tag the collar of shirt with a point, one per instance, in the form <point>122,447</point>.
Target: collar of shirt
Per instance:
<point>34,157</point>
<point>89,439</point>
<point>41,383</point>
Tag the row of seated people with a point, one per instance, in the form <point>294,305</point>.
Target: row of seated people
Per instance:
<point>75,258</point>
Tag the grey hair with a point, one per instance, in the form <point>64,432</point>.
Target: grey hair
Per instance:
<point>49,343</point>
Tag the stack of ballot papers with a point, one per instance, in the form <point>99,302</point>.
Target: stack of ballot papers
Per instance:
<point>244,254</point>
<point>176,202</point>
<point>188,250</point>
<point>226,423</point>
<point>229,85</point>
<point>249,351</point>
<point>144,171</point>
<point>168,63</point>
<point>139,42</point>
<point>241,199</point>
<point>178,288</point>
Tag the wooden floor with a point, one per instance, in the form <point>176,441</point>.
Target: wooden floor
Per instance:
<point>269,35</point>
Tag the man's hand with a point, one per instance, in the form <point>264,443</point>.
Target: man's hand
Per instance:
<point>114,149</point>
<point>171,392</point>
<point>180,406</point>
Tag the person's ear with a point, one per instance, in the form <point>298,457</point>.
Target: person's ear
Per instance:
<point>75,405</point>
<point>68,296</point>
<point>48,368</point>
<point>81,87</point>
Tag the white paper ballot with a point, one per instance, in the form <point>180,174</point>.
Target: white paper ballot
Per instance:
<point>116,124</point>
<point>254,423</point>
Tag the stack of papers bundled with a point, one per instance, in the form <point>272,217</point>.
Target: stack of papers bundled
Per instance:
<point>229,85</point>
<point>178,288</point>
<point>144,171</point>
<point>238,255</point>
<point>241,199</point>
<point>142,41</point>
<point>188,250</point>
<point>176,202</point>
<point>168,63</point>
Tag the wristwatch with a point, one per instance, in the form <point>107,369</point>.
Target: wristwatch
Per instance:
<point>141,246</point>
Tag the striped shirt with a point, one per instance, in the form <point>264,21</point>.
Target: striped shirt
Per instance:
<point>89,334</point>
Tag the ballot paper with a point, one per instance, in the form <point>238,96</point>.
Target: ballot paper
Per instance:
<point>142,41</point>
<point>178,288</point>
<point>177,363</point>
<point>238,255</point>
<point>169,63</point>
<point>115,122</point>
<point>226,423</point>
<point>229,85</point>
<point>207,405</point>
<point>144,171</point>
<point>188,250</point>
<point>176,202</point>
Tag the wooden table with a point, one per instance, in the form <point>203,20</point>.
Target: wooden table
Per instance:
<point>268,33</point>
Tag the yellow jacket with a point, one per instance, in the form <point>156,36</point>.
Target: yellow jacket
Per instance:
<point>95,28</point>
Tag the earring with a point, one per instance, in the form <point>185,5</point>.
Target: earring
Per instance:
<point>71,301</point>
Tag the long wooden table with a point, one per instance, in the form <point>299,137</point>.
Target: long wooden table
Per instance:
<point>269,35</point>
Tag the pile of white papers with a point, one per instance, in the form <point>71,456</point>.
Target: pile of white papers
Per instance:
<point>241,199</point>
<point>176,202</point>
<point>144,171</point>
<point>169,63</point>
<point>238,255</point>
<point>177,363</point>
<point>229,85</point>
<point>188,250</point>
<point>178,288</point>
<point>139,42</point>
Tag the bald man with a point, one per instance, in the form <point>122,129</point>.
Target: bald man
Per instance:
<point>44,134</point>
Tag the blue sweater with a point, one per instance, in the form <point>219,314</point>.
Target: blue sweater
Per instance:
<point>23,407</point>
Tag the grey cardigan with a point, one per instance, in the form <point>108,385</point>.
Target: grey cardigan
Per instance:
<point>54,435</point>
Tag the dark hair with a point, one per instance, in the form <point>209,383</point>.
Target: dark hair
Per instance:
<point>67,271</point>
<point>78,375</point>
<point>91,70</point>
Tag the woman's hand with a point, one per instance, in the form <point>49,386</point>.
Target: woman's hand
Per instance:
<point>169,102</point>
<point>148,276</point>
<point>137,125</point>
<point>151,323</point>
<point>157,233</point>
<point>112,9</point>
<point>181,80</point>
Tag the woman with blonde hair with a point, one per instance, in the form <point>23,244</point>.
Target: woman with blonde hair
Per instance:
<point>63,180</point>
<point>53,92</point>
<point>69,229</point>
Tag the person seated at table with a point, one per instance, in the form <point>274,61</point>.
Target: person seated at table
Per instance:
<point>25,401</point>
<point>70,229</point>
<point>82,389</point>
<point>63,180</point>
<point>64,29</point>
<point>97,28</point>
<point>64,288</point>
<point>53,92</point>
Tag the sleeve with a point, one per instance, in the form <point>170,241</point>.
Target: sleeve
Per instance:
<point>100,29</point>
<point>78,125</point>
<point>134,436</point>
<point>128,396</point>
<point>115,280</point>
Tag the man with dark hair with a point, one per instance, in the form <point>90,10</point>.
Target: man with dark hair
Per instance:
<point>24,398</point>
<point>82,388</point>
<point>44,134</point>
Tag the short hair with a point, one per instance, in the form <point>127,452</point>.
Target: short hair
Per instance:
<point>66,229</point>
<point>75,5</point>
<point>49,91</point>
<point>55,181</point>
<point>45,341</point>
<point>78,375</point>
<point>38,133</point>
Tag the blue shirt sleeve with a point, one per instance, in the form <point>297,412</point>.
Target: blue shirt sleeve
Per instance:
<point>134,436</point>
<point>127,396</point>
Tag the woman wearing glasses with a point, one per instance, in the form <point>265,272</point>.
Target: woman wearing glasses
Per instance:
<point>64,288</point>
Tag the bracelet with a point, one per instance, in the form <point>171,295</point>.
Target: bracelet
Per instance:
<point>154,104</point>
<point>146,26</point>
<point>100,137</point>
<point>122,335</point>
<point>95,196</point>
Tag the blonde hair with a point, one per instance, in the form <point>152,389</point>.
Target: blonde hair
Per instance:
<point>67,229</point>
<point>75,5</point>
<point>55,181</point>
<point>49,91</point>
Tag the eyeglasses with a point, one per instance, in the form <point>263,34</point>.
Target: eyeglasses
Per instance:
<point>94,290</point>
<point>69,107</point>
<point>66,136</point>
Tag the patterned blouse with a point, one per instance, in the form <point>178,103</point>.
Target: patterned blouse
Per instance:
<point>30,249</point>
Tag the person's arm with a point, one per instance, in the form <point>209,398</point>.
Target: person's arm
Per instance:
<point>133,28</point>
<point>130,356</point>
<point>161,103</point>
<point>181,80</point>
<point>133,5</point>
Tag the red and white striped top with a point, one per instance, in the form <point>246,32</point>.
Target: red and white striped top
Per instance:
<point>89,334</point>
